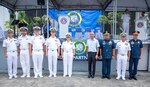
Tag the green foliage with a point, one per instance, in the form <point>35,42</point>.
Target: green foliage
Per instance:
<point>108,19</point>
<point>8,25</point>
<point>44,17</point>
<point>23,18</point>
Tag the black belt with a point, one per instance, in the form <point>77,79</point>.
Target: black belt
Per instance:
<point>91,52</point>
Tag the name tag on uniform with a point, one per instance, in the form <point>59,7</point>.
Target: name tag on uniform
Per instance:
<point>71,43</point>
<point>56,41</point>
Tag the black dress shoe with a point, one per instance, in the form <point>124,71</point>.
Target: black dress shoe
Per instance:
<point>130,78</point>
<point>89,76</point>
<point>108,77</point>
<point>103,77</point>
<point>134,78</point>
<point>93,76</point>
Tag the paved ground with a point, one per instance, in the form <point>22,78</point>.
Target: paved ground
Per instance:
<point>77,80</point>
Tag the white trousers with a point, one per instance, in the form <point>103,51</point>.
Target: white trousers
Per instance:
<point>52,62</point>
<point>25,61</point>
<point>12,63</point>
<point>146,33</point>
<point>126,28</point>
<point>37,57</point>
<point>67,63</point>
<point>121,65</point>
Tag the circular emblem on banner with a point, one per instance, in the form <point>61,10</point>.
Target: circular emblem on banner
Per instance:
<point>63,20</point>
<point>140,24</point>
<point>80,47</point>
<point>75,18</point>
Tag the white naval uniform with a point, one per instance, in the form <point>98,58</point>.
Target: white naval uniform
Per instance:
<point>145,19</point>
<point>126,20</point>
<point>37,53</point>
<point>123,48</point>
<point>53,44</point>
<point>68,48</point>
<point>11,46</point>
<point>23,42</point>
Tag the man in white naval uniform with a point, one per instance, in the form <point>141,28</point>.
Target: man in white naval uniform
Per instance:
<point>68,51</point>
<point>53,52</point>
<point>37,49</point>
<point>10,53</point>
<point>123,55</point>
<point>125,22</point>
<point>145,19</point>
<point>23,47</point>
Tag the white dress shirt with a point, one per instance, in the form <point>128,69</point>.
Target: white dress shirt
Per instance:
<point>123,47</point>
<point>125,18</point>
<point>24,41</point>
<point>68,46</point>
<point>37,42</point>
<point>92,45</point>
<point>10,44</point>
<point>52,43</point>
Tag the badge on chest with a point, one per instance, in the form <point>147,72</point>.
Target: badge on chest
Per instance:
<point>110,43</point>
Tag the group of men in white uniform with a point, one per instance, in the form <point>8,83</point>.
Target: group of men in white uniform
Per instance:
<point>35,46</point>
<point>26,47</point>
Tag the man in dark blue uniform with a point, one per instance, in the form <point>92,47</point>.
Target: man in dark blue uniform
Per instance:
<point>107,52</point>
<point>136,50</point>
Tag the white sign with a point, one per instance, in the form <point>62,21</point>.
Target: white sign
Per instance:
<point>64,21</point>
<point>141,26</point>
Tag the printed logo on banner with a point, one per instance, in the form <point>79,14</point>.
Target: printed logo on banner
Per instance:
<point>140,24</point>
<point>80,47</point>
<point>63,20</point>
<point>75,18</point>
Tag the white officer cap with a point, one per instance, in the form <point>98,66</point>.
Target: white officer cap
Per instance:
<point>36,28</point>
<point>123,34</point>
<point>53,29</point>
<point>23,28</point>
<point>68,34</point>
<point>10,31</point>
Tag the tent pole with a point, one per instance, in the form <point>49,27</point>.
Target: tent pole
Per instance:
<point>47,20</point>
<point>115,17</point>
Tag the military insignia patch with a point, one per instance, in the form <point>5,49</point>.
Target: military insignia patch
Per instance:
<point>132,42</point>
<point>110,43</point>
<point>104,43</point>
<point>126,43</point>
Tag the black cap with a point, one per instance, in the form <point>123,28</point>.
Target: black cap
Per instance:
<point>106,33</point>
<point>135,32</point>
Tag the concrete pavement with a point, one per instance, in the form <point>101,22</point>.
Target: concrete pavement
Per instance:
<point>77,80</point>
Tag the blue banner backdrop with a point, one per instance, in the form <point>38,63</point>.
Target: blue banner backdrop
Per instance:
<point>82,22</point>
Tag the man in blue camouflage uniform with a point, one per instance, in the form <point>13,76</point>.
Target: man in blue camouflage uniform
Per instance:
<point>107,52</point>
<point>136,50</point>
